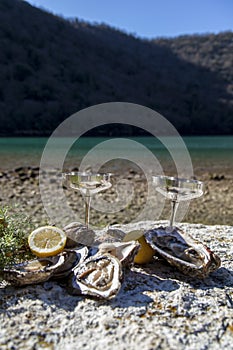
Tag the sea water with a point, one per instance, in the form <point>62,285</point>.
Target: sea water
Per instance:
<point>205,151</point>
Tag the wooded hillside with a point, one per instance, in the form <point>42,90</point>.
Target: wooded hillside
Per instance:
<point>51,67</point>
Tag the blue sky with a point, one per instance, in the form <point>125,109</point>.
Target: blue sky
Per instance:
<point>149,18</point>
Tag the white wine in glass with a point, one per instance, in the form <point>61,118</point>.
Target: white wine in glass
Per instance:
<point>177,189</point>
<point>88,184</point>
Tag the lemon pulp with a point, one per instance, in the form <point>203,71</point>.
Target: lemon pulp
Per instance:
<point>47,241</point>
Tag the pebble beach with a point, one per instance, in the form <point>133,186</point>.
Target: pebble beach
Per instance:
<point>20,187</point>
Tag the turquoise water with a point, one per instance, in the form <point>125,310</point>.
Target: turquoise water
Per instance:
<point>209,151</point>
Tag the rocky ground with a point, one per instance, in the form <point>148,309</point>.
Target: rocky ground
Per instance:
<point>157,308</point>
<point>128,199</point>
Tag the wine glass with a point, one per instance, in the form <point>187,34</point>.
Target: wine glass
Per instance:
<point>87,184</point>
<point>177,189</point>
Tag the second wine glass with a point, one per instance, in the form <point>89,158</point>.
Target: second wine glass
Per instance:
<point>88,184</point>
<point>177,189</point>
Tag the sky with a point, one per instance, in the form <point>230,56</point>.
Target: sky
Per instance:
<point>149,18</point>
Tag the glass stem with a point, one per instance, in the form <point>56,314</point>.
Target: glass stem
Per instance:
<point>87,210</point>
<point>174,205</point>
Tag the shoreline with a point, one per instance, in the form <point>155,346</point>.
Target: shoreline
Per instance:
<point>207,153</point>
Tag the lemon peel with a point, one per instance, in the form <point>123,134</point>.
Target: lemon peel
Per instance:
<point>145,253</point>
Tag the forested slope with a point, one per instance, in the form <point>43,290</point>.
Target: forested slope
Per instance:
<point>51,67</point>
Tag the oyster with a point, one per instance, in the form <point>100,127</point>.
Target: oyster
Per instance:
<point>41,269</point>
<point>124,251</point>
<point>182,251</point>
<point>33,271</point>
<point>73,257</point>
<point>111,235</point>
<point>98,276</point>
<point>77,234</point>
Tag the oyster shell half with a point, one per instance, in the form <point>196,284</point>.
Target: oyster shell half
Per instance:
<point>73,257</point>
<point>98,276</point>
<point>41,269</point>
<point>33,271</point>
<point>182,251</point>
<point>123,251</point>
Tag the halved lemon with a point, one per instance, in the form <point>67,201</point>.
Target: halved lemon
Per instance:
<point>47,241</point>
<point>145,253</point>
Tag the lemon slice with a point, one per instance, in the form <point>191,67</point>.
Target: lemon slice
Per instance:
<point>47,241</point>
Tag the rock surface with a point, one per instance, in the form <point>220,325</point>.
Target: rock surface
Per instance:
<point>157,308</point>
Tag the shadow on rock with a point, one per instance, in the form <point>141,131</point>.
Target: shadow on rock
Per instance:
<point>135,285</point>
<point>137,282</point>
<point>50,293</point>
<point>221,278</point>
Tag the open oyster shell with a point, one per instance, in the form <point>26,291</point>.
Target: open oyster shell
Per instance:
<point>41,269</point>
<point>182,251</point>
<point>72,259</point>
<point>33,271</point>
<point>98,276</point>
<point>123,251</point>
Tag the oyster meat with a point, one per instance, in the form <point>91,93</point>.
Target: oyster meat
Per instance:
<point>98,276</point>
<point>182,251</point>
